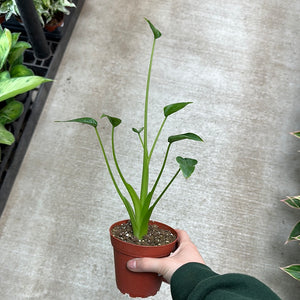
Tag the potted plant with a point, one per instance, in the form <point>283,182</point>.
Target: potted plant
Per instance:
<point>15,79</point>
<point>2,15</point>
<point>136,237</point>
<point>50,12</point>
<point>294,202</point>
<point>8,8</point>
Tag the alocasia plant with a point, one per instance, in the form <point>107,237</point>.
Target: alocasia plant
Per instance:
<point>142,205</point>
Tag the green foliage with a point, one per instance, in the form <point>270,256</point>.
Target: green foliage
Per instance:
<point>296,134</point>
<point>15,79</point>
<point>293,270</point>
<point>14,86</point>
<point>9,8</point>
<point>46,9</point>
<point>294,202</point>
<point>142,205</point>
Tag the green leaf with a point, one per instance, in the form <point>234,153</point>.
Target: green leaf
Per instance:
<point>16,53</point>
<point>5,45</point>
<point>172,108</point>
<point>296,134</point>
<point>138,131</point>
<point>155,31</point>
<point>11,112</point>
<point>293,270</point>
<point>4,75</point>
<point>187,165</point>
<point>14,86</point>
<point>20,71</point>
<point>85,120</point>
<point>6,137</point>
<point>113,121</point>
<point>14,38</point>
<point>292,201</point>
<point>189,136</point>
<point>295,234</point>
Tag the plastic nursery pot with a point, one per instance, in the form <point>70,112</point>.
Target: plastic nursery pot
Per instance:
<point>138,284</point>
<point>50,28</point>
<point>2,18</point>
<point>57,21</point>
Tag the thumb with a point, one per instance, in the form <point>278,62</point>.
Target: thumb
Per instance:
<point>144,264</point>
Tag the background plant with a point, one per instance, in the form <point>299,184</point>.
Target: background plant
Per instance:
<point>46,9</point>
<point>9,8</point>
<point>294,202</point>
<point>142,205</point>
<point>15,79</point>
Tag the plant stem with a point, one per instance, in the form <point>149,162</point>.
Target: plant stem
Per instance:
<point>162,168</point>
<point>129,188</point>
<point>145,174</point>
<point>115,157</point>
<point>141,140</point>
<point>165,189</point>
<point>157,136</point>
<point>125,201</point>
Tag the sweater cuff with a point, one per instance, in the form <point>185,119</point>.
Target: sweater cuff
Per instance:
<point>187,277</point>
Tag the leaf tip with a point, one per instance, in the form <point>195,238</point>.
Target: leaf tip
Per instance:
<point>156,32</point>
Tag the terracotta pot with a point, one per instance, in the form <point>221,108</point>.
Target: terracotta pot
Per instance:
<point>138,284</point>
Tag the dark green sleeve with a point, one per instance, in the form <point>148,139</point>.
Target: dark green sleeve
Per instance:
<point>194,281</point>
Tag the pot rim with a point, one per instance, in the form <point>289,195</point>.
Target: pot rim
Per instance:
<point>142,249</point>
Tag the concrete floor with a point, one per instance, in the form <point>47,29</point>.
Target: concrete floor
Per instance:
<point>238,61</point>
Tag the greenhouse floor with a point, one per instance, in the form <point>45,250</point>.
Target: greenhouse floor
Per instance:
<point>239,63</point>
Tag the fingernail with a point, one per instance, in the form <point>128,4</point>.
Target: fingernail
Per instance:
<point>131,264</point>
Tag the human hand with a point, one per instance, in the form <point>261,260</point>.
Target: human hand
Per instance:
<point>185,253</point>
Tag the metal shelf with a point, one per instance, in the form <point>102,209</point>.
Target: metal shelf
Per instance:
<point>23,128</point>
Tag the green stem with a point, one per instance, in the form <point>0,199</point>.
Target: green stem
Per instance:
<point>141,140</point>
<point>129,188</point>
<point>157,136</point>
<point>162,168</point>
<point>145,174</point>
<point>125,201</point>
<point>165,189</point>
<point>115,157</point>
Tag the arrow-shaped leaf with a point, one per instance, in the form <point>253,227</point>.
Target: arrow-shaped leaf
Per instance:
<point>86,120</point>
<point>155,31</point>
<point>187,165</point>
<point>138,131</point>
<point>189,136</point>
<point>292,201</point>
<point>295,234</point>
<point>113,121</point>
<point>293,270</point>
<point>172,108</point>
<point>296,134</point>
